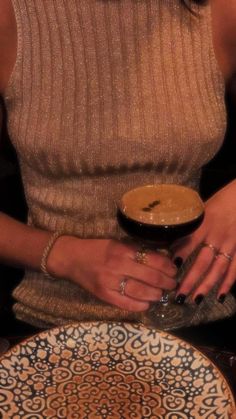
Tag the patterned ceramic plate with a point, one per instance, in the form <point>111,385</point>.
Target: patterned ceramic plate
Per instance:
<point>109,371</point>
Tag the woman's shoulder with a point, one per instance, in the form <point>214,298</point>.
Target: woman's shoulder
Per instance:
<point>224,28</point>
<point>8,40</point>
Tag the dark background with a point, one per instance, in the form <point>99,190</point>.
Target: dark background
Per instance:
<point>218,172</point>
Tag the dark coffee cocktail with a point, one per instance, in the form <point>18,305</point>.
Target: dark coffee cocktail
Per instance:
<point>156,216</point>
<point>160,213</point>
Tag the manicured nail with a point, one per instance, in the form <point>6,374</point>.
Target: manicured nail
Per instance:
<point>180,299</point>
<point>178,261</point>
<point>221,298</point>
<point>199,299</point>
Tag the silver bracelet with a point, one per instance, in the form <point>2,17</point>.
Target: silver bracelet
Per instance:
<point>47,250</point>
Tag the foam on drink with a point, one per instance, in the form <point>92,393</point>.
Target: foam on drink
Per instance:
<point>163,204</point>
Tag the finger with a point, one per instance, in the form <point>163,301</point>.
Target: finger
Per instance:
<point>160,262</point>
<point>107,287</point>
<point>183,252</point>
<point>149,276</point>
<point>155,260</point>
<point>123,301</point>
<point>139,290</point>
<point>199,268</point>
<point>229,280</point>
<point>216,273</point>
<point>185,247</point>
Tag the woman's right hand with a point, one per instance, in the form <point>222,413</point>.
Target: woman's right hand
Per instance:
<point>100,266</point>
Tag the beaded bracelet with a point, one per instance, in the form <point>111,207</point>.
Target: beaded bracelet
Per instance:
<point>47,250</point>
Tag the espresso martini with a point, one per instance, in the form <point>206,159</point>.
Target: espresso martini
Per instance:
<point>160,213</point>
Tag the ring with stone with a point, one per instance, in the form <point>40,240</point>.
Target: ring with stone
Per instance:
<point>141,256</point>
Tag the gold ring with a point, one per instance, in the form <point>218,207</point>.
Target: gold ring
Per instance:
<point>141,256</point>
<point>213,248</point>
<point>123,284</point>
<point>226,255</point>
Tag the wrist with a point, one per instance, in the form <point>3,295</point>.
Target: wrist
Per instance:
<point>59,260</point>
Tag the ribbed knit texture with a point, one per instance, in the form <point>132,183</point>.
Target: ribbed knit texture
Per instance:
<point>106,95</point>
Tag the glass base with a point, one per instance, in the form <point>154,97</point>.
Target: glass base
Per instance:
<point>168,316</point>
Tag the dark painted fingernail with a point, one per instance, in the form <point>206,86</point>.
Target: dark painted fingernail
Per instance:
<point>178,261</point>
<point>221,298</point>
<point>180,299</point>
<point>199,299</point>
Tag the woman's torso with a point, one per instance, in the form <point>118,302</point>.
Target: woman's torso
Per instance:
<point>105,96</point>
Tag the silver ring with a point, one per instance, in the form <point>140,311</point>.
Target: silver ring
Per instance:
<point>123,284</point>
<point>226,255</point>
<point>212,247</point>
<point>141,256</point>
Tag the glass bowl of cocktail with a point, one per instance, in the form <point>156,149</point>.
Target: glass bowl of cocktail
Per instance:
<point>155,216</point>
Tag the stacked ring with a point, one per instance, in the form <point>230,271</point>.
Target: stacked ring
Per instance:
<point>226,255</point>
<point>213,248</point>
<point>217,253</point>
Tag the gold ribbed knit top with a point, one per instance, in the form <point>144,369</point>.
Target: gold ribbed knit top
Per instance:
<point>106,95</point>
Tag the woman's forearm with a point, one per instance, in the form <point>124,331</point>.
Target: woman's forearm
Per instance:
<point>21,245</point>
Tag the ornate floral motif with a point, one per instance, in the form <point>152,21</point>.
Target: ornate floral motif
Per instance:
<point>110,370</point>
<point>19,367</point>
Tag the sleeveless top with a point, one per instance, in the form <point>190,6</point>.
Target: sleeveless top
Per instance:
<point>105,96</point>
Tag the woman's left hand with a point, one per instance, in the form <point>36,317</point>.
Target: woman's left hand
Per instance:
<point>215,263</point>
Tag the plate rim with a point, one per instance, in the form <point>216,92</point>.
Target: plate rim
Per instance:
<point>120,323</point>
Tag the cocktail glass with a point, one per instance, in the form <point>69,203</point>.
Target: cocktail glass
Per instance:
<point>155,216</point>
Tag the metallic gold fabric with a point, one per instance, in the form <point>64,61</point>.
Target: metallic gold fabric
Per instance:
<point>106,95</point>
